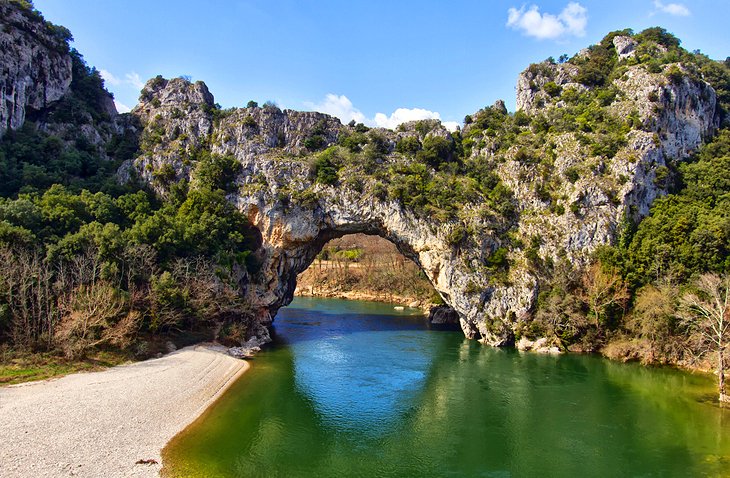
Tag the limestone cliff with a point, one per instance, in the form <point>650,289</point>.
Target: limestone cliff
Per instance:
<point>673,116</point>
<point>36,66</point>
<point>41,81</point>
<point>592,189</point>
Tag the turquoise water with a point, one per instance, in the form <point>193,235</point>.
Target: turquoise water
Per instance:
<point>358,389</point>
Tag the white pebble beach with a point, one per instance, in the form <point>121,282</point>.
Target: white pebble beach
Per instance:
<point>101,423</point>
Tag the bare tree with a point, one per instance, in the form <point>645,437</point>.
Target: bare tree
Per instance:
<point>655,320</point>
<point>26,281</point>
<point>707,314</point>
<point>602,289</point>
<point>95,314</point>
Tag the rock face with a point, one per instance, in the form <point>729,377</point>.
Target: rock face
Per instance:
<point>676,116</point>
<point>625,46</point>
<point>37,83</point>
<point>297,215</point>
<point>443,315</point>
<point>36,66</point>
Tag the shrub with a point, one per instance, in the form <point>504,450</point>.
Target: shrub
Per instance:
<point>409,145</point>
<point>675,75</point>
<point>216,172</point>
<point>315,142</point>
<point>436,150</point>
<point>250,122</point>
<point>165,174</point>
<point>325,167</point>
<point>572,174</point>
<point>457,235</point>
<point>552,89</point>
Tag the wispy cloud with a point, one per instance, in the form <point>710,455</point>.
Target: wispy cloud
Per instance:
<point>109,78</point>
<point>341,107</point>
<point>121,107</point>
<point>676,9</point>
<point>130,79</point>
<point>572,21</point>
<point>134,80</point>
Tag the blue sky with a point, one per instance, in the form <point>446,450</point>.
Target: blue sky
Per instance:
<point>376,61</point>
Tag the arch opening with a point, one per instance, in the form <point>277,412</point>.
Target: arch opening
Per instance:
<point>367,267</point>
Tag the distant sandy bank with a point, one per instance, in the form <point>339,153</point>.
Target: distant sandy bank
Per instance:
<point>101,423</point>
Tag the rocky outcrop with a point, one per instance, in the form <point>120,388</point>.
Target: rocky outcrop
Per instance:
<point>540,346</point>
<point>625,46</point>
<point>593,192</point>
<point>531,94</point>
<point>675,117</point>
<point>36,66</point>
<point>37,84</point>
<point>443,315</point>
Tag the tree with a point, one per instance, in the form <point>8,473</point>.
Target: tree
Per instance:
<point>603,289</point>
<point>654,320</point>
<point>706,313</point>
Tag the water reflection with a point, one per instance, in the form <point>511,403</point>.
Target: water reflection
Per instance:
<point>358,379</point>
<point>376,394</point>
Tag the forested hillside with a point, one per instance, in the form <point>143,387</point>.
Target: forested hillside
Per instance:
<point>89,262</point>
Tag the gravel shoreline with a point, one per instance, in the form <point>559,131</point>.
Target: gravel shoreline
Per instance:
<point>101,423</point>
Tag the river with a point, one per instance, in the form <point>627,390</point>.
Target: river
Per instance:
<point>358,389</point>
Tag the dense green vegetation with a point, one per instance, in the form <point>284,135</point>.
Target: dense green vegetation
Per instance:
<point>89,263</point>
<point>169,264</point>
<point>631,302</point>
<point>687,232</point>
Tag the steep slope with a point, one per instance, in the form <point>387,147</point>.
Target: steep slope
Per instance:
<point>36,63</point>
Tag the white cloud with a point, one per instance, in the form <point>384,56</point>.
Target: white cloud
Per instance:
<point>403,115</point>
<point>341,107</point>
<point>451,125</point>
<point>676,9</point>
<point>110,79</point>
<point>572,21</point>
<point>130,79</point>
<point>121,107</point>
<point>134,80</point>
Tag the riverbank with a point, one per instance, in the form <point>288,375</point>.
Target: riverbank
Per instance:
<point>367,295</point>
<point>361,267</point>
<point>106,423</point>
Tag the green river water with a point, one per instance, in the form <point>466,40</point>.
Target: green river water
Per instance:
<point>358,389</point>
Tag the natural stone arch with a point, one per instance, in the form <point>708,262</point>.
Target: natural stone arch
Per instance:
<point>297,212</point>
<point>293,236</point>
